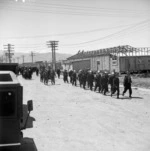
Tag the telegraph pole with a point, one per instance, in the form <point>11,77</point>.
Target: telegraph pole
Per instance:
<point>32,55</point>
<point>53,44</point>
<point>9,48</point>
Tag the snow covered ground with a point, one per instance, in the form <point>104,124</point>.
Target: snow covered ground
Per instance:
<point>69,118</point>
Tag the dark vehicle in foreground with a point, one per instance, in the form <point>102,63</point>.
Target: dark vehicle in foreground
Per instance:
<point>11,112</point>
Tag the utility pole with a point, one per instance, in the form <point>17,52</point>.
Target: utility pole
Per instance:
<point>32,55</point>
<point>9,48</point>
<point>53,44</point>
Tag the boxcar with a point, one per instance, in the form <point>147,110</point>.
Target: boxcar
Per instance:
<point>134,63</point>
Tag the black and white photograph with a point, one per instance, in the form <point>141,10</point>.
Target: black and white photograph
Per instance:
<point>74,75</point>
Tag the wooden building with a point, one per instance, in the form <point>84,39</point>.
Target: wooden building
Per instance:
<point>119,59</point>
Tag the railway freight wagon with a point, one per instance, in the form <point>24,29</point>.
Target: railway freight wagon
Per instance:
<point>134,63</point>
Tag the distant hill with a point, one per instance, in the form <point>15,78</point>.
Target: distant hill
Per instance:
<point>39,57</point>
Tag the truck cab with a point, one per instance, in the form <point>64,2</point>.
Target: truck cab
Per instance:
<point>11,111</point>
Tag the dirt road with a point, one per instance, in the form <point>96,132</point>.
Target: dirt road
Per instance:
<point>68,118</point>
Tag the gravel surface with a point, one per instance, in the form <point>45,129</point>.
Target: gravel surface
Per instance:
<point>69,118</point>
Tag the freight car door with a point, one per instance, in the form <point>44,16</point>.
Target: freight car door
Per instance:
<point>127,65</point>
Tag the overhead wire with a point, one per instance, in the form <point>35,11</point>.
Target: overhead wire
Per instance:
<point>103,11</point>
<point>110,35</point>
<point>67,34</point>
<point>72,6</point>
<point>102,14</point>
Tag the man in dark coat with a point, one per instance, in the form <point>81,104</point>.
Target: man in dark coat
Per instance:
<point>97,81</point>
<point>70,75</point>
<point>74,78</point>
<point>110,81</point>
<point>80,77</point>
<point>90,80</point>
<point>65,74</point>
<point>104,83</point>
<point>83,78</point>
<point>58,73</point>
<point>127,84</point>
<point>116,85</point>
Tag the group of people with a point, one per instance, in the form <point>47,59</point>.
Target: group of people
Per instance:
<point>46,74</point>
<point>26,71</point>
<point>98,81</point>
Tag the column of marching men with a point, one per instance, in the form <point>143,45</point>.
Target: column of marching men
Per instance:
<point>99,81</point>
<point>46,74</point>
<point>26,72</point>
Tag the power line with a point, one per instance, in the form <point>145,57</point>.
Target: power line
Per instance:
<point>71,12</point>
<point>51,5</point>
<point>116,33</point>
<point>71,33</point>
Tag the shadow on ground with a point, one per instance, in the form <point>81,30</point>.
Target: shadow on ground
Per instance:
<point>28,144</point>
<point>30,120</point>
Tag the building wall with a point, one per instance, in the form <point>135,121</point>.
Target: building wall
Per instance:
<point>67,67</point>
<point>100,63</point>
<point>114,65</point>
<point>81,64</point>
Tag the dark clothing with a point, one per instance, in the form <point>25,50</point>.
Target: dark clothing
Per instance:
<point>74,78</point>
<point>80,78</point>
<point>70,75</point>
<point>65,78</point>
<point>127,85</point>
<point>58,73</point>
<point>90,80</point>
<point>116,86</point>
<point>104,84</point>
<point>97,82</point>
<point>84,77</point>
<point>110,81</point>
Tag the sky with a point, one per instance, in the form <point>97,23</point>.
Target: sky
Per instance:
<point>77,24</point>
